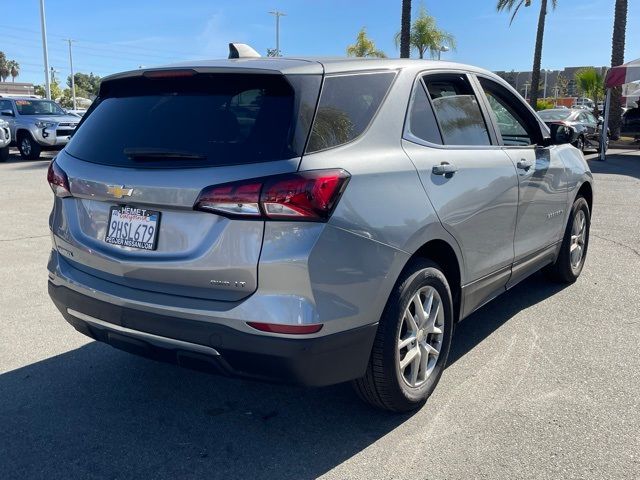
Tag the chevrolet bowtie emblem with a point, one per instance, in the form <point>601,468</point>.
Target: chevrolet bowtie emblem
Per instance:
<point>119,191</point>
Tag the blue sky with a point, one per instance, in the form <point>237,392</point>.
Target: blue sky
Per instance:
<point>116,35</point>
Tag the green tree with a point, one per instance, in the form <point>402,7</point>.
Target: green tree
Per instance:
<point>14,69</point>
<point>514,6</point>
<point>591,84</point>
<point>426,36</point>
<point>4,67</point>
<point>56,91</point>
<point>88,83</point>
<point>617,58</point>
<point>405,30</point>
<point>364,47</point>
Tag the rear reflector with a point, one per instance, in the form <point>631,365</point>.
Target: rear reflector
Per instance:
<point>169,73</point>
<point>288,329</point>
<point>306,196</point>
<point>58,180</point>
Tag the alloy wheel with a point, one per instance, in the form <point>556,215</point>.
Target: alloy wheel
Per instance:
<point>578,238</point>
<point>420,337</point>
<point>25,146</point>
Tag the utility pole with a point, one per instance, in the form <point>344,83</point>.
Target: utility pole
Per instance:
<point>277,14</point>
<point>73,80</point>
<point>526,90</point>
<point>546,73</point>
<point>43,26</point>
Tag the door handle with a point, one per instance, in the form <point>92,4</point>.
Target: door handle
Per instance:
<point>445,168</point>
<point>524,164</point>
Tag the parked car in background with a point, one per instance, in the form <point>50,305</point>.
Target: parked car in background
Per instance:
<point>631,122</point>
<point>37,124</point>
<point>585,124</point>
<point>315,221</point>
<point>5,140</point>
<point>583,102</point>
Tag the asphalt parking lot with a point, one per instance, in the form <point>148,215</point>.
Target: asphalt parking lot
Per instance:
<point>544,382</point>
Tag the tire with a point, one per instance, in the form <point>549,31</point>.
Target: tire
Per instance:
<point>579,143</point>
<point>565,269</point>
<point>385,385</point>
<point>29,148</point>
<point>4,154</point>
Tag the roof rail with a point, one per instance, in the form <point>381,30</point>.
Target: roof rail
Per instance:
<point>242,50</point>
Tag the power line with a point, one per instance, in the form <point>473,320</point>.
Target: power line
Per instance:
<point>110,45</point>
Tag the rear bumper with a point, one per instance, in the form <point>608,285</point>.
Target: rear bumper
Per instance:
<point>216,348</point>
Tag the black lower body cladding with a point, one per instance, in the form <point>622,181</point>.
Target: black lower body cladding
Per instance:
<point>316,361</point>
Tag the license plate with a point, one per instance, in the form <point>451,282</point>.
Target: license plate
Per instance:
<point>133,227</point>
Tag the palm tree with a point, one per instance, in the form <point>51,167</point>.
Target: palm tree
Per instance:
<point>591,83</point>
<point>4,68</point>
<point>617,58</point>
<point>364,47</point>
<point>425,35</point>
<point>14,69</point>
<point>405,30</point>
<point>514,6</point>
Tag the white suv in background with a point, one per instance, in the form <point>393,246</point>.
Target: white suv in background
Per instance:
<point>37,124</point>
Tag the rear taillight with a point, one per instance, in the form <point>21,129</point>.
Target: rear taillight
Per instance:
<point>58,180</point>
<point>307,196</point>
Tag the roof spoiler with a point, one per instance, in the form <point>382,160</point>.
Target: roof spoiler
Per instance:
<point>242,50</point>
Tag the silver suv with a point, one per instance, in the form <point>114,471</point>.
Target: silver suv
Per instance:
<point>314,221</point>
<point>37,124</point>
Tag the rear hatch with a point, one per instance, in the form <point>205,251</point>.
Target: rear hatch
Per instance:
<point>143,153</point>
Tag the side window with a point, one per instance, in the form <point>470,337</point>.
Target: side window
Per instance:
<point>457,110</point>
<point>346,107</point>
<point>422,121</point>
<point>6,105</point>
<point>514,121</point>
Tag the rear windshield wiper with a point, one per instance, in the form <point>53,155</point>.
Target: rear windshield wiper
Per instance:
<point>161,154</point>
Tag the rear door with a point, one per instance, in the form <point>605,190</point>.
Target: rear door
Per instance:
<point>469,179</point>
<point>542,189</point>
<point>143,154</point>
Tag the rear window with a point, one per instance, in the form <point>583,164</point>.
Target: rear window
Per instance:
<point>202,120</point>
<point>347,106</point>
<point>555,114</point>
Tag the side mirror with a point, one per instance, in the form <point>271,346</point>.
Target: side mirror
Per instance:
<point>561,134</point>
<point>7,113</point>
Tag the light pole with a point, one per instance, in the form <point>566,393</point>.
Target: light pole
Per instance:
<point>73,80</point>
<point>443,48</point>
<point>43,26</point>
<point>546,73</point>
<point>277,14</point>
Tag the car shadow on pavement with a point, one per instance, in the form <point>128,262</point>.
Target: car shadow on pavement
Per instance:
<point>482,323</point>
<point>95,412</point>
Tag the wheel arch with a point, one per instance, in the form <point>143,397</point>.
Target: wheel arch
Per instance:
<point>586,191</point>
<point>20,132</point>
<point>445,255</point>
